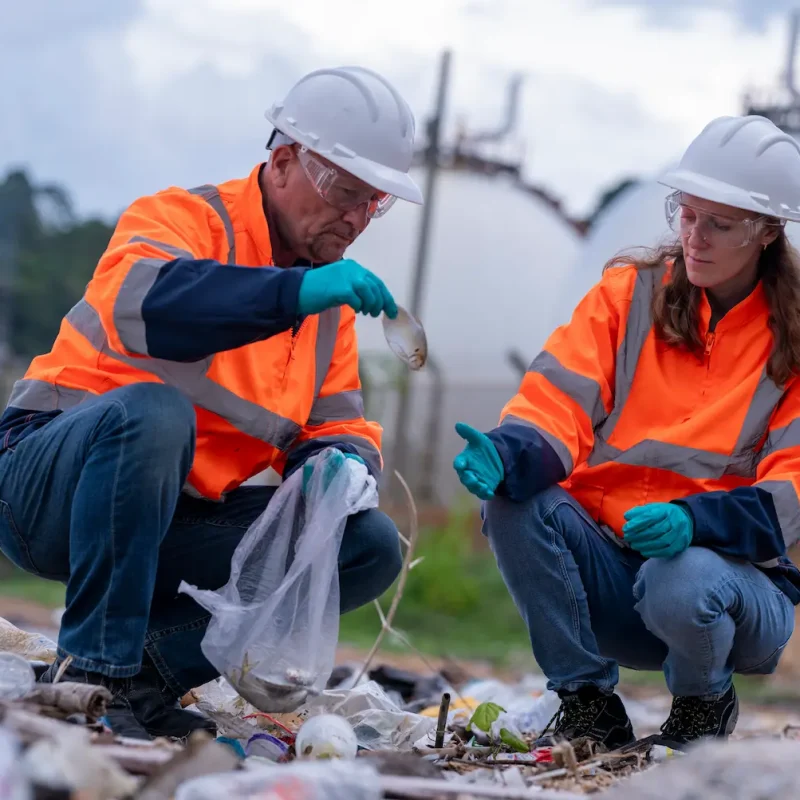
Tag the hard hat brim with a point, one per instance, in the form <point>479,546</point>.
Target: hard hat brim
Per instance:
<point>378,176</point>
<point>720,192</point>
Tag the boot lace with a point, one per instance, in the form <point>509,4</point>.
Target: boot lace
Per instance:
<point>690,718</point>
<point>574,717</point>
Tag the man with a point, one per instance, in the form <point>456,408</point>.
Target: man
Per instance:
<point>215,339</point>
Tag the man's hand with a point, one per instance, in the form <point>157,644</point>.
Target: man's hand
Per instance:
<point>658,530</point>
<point>478,465</point>
<point>341,283</point>
<point>333,464</point>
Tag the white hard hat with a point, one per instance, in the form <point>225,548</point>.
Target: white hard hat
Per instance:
<point>745,162</point>
<point>357,120</point>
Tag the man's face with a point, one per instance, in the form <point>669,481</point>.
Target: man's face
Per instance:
<point>314,228</point>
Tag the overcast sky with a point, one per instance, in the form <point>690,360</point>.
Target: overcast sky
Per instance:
<point>116,98</point>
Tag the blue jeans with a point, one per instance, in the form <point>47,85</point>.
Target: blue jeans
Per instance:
<point>591,605</point>
<point>93,499</point>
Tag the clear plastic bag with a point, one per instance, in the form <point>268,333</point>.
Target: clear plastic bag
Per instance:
<point>275,625</point>
<point>378,722</point>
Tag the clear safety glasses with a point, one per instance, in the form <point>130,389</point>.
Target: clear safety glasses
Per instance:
<point>343,191</point>
<point>716,230</point>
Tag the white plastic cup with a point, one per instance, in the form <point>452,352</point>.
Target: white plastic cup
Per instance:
<point>326,736</point>
<point>17,677</point>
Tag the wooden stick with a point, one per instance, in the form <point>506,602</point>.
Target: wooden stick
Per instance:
<point>455,750</point>
<point>441,724</point>
<point>431,787</point>
<point>562,773</point>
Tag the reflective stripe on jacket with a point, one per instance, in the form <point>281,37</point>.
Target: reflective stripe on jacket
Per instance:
<point>186,294</point>
<point>620,418</point>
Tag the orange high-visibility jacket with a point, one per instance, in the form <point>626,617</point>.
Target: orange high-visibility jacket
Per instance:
<point>620,418</point>
<point>186,294</point>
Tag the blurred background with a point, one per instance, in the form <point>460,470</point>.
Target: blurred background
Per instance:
<point>542,128</point>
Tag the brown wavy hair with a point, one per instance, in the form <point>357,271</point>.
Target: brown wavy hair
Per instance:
<point>675,304</point>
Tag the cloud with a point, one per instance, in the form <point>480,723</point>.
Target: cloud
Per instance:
<point>755,15</point>
<point>26,23</point>
<point>119,99</point>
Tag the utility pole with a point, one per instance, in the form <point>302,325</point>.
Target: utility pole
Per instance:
<point>432,162</point>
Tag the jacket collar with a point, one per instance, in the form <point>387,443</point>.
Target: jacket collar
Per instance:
<point>251,213</point>
<point>752,307</point>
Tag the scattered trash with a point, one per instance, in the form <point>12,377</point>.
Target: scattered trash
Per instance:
<point>16,677</point>
<point>65,699</point>
<point>68,762</point>
<point>735,770</point>
<point>265,745</point>
<point>273,632</point>
<point>301,780</point>
<point>326,736</point>
<point>14,784</point>
<point>416,691</point>
<point>31,646</point>
<point>290,725</point>
<point>492,723</point>
<point>201,756</point>
<point>378,722</point>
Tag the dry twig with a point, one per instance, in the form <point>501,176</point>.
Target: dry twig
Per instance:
<point>386,621</point>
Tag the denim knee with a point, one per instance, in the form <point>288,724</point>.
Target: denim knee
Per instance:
<point>682,592</point>
<point>532,517</point>
<point>160,417</point>
<point>373,539</point>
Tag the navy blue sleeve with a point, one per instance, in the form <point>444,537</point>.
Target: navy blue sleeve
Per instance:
<point>302,452</point>
<point>530,463</point>
<point>198,307</point>
<point>741,523</point>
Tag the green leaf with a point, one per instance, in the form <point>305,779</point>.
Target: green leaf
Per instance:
<point>484,715</point>
<point>508,738</point>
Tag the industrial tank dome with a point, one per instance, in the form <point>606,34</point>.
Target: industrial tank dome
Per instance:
<point>498,258</point>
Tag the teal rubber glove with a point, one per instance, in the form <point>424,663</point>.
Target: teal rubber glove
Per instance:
<point>478,465</point>
<point>658,530</point>
<point>333,464</point>
<point>342,283</point>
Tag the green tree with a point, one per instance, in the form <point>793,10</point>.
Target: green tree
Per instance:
<point>51,257</point>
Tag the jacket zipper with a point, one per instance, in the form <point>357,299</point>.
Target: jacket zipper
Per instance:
<point>709,343</point>
<point>295,334</point>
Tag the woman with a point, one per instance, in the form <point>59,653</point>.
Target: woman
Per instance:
<point>642,486</point>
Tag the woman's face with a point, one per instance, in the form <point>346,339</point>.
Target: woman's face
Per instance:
<point>720,243</point>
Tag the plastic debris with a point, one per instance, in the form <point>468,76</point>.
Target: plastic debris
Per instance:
<point>265,745</point>
<point>17,677</point>
<point>69,762</point>
<point>492,723</point>
<point>326,736</point>
<point>301,780</point>
<point>14,784</point>
<point>734,770</point>
<point>31,646</point>
<point>201,756</point>
<point>378,722</point>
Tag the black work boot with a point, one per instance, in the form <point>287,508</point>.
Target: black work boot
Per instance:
<point>592,715</point>
<point>693,718</point>
<point>119,715</point>
<point>158,709</point>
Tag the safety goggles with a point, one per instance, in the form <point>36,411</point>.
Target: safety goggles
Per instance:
<point>716,230</point>
<point>342,191</point>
